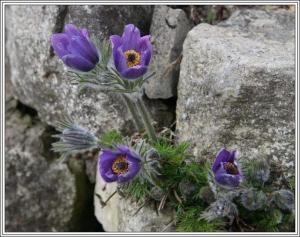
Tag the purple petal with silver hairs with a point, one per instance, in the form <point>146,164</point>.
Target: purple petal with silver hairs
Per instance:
<point>131,52</point>
<point>120,165</point>
<point>75,48</point>
<point>226,169</point>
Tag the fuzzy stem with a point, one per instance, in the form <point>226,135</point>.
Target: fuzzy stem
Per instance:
<point>146,119</point>
<point>132,108</point>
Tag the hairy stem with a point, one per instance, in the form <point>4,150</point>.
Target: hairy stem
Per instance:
<point>146,119</point>
<point>132,108</point>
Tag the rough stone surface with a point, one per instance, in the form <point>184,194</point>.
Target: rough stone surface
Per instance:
<point>104,21</point>
<point>120,214</point>
<point>168,31</point>
<point>39,194</point>
<point>39,78</point>
<point>236,87</point>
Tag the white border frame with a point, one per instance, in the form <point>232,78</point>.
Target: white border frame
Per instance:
<point>155,2</point>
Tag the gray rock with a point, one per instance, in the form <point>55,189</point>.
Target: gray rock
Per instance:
<point>168,30</point>
<point>278,25</point>
<point>121,214</point>
<point>40,194</point>
<point>104,21</point>
<point>236,87</point>
<point>39,77</point>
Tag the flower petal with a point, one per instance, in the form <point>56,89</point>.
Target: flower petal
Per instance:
<point>238,168</point>
<point>130,37</point>
<point>109,176</point>
<point>145,44</point>
<point>82,46</point>
<point>94,50</point>
<point>106,159</point>
<point>133,157</point>
<point>130,154</point>
<point>85,33</point>
<point>233,156</point>
<point>71,30</point>
<point>134,72</point>
<point>123,149</point>
<point>119,59</point>
<point>77,62</point>
<point>228,179</point>
<point>60,43</point>
<point>92,46</point>
<point>116,41</point>
<point>146,57</point>
<point>222,156</point>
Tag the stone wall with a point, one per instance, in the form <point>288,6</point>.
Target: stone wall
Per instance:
<point>232,81</point>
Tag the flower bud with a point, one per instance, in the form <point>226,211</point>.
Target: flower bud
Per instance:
<point>207,195</point>
<point>253,200</point>
<point>284,199</point>
<point>157,193</point>
<point>187,189</point>
<point>75,48</point>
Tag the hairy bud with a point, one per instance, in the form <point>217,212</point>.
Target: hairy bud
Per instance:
<point>157,193</point>
<point>187,189</point>
<point>284,199</point>
<point>206,194</point>
<point>222,207</point>
<point>253,200</point>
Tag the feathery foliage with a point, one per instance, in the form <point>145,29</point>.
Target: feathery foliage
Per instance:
<point>188,221</point>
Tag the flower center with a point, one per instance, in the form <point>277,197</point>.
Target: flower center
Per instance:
<point>231,168</point>
<point>120,165</point>
<point>132,57</point>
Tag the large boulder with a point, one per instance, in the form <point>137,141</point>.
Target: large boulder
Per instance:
<point>39,77</point>
<point>40,193</point>
<point>168,30</point>
<point>125,215</point>
<point>237,85</point>
<point>36,181</point>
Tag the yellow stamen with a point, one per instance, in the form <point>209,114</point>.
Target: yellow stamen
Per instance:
<point>231,168</point>
<point>132,57</point>
<point>120,165</point>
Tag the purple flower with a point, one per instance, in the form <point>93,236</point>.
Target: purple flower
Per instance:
<point>131,52</point>
<point>119,165</point>
<point>75,48</point>
<point>226,170</point>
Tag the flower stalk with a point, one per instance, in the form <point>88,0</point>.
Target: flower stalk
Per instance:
<point>132,109</point>
<point>146,119</point>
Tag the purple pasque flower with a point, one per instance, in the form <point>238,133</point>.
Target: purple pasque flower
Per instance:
<point>131,52</point>
<point>226,169</point>
<point>120,165</point>
<point>75,48</point>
